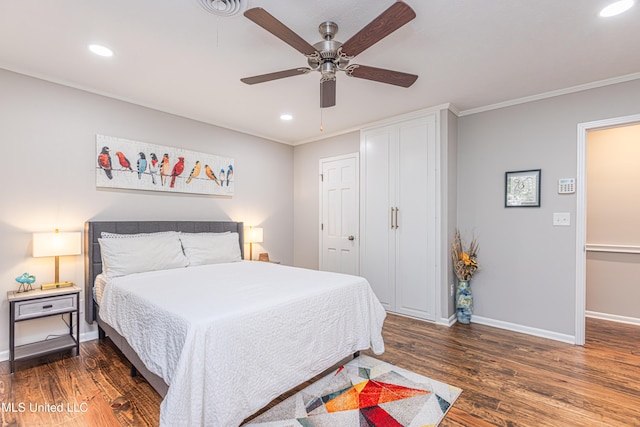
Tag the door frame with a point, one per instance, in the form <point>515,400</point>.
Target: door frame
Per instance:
<point>321,162</point>
<point>581,216</point>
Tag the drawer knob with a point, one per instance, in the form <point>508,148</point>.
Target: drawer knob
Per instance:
<point>47,306</point>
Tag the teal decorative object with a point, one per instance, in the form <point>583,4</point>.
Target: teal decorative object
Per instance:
<point>26,280</point>
<point>464,302</point>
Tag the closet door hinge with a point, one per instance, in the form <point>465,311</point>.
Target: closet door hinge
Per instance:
<point>322,177</point>
<point>321,226</point>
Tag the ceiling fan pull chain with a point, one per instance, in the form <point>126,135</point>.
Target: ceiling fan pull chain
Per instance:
<point>321,127</point>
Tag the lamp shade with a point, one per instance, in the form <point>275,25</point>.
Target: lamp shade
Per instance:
<point>253,235</point>
<point>57,244</point>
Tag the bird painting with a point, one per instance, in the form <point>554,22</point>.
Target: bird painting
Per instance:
<point>210,174</point>
<point>194,172</point>
<point>164,168</point>
<point>104,161</point>
<point>142,164</point>
<point>153,167</point>
<point>222,177</point>
<point>229,174</point>
<point>124,162</point>
<point>177,170</point>
<point>161,168</point>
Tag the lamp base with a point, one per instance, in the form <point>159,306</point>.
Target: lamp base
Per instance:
<point>56,285</point>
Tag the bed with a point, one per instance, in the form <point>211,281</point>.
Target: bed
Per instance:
<point>219,341</point>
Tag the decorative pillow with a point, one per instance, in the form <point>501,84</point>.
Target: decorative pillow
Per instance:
<point>139,254</point>
<point>206,233</point>
<point>211,248</point>
<point>107,235</point>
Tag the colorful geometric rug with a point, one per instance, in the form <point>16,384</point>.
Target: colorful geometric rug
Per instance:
<point>364,393</point>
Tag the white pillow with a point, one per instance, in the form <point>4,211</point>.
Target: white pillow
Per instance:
<point>139,254</point>
<point>206,233</point>
<point>107,235</point>
<point>211,248</point>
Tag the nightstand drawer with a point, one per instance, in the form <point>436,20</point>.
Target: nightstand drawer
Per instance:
<point>45,306</point>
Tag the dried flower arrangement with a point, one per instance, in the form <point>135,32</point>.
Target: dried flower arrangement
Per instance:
<point>465,263</point>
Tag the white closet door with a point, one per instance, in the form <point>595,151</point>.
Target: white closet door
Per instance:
<point>415,289</point>
<point>377,238</point>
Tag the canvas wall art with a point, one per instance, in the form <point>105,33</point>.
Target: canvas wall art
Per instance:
<point>123,163</point>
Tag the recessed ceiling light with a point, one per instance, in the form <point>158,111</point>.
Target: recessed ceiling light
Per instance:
<point>100,50</point>
<point>286,117</point>
<point>616,8</point>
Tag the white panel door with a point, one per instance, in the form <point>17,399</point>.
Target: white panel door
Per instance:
<point>415,290</point>
<point>339,194</point>
<point>376,220</point>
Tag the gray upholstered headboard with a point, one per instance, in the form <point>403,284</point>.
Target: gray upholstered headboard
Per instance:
<point>93,260</point>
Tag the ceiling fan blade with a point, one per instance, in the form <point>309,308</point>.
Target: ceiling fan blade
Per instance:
<point>278,29</point>
<point>327,93</point>
<point>390,20</point>
<point>275,76</point>
<point>383,76</point>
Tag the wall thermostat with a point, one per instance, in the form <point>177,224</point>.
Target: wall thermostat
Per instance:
<point>566,186</point>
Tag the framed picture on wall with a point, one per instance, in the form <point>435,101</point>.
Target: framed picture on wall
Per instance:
<point>136,165</point>
<point>522,189</point>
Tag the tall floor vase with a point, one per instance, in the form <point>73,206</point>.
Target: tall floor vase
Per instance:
<point>464,302</point>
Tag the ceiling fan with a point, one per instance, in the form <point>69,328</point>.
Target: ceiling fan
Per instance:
<point>330,56</point>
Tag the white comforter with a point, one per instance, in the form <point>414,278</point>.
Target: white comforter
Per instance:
<point>228,338</point>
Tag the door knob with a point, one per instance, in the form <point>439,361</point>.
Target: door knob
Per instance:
<point>352,238</point>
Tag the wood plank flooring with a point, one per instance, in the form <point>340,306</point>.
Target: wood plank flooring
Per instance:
<point>508,379</point>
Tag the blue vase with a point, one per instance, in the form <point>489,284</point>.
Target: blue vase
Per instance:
<point>464,302</point>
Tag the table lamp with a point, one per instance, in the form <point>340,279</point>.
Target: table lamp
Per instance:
<point>252,235</point>
<point>56,245</point>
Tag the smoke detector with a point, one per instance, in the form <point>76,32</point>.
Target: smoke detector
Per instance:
<point>224,7</point>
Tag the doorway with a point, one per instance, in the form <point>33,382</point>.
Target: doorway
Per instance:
<point>581,220</point>
<point>339,214</point>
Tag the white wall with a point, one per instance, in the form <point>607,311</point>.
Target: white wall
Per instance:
<point>306,176</point>
<point>47,140</point>
<point>527,275</point>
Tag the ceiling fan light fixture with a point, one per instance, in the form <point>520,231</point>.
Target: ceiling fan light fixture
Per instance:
<point>328,70</point>
<point>286,117</point>
<point>330,56</point>
<point>616,8</point>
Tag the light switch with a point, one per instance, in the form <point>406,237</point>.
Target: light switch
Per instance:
<point>562,219</point>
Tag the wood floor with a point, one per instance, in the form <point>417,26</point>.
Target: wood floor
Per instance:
<point>508,379</point>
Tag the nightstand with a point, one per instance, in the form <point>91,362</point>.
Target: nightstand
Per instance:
<point>43,303</point>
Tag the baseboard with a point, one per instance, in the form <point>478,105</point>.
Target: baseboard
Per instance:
<point>523,329</point>
<point>448,322</point>
<point>85,336</point>
<point>88,336</point>
<point>613,317</point>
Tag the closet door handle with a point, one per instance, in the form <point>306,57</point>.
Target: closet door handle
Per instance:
<point>392,225</point>
<point>397,210</point>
